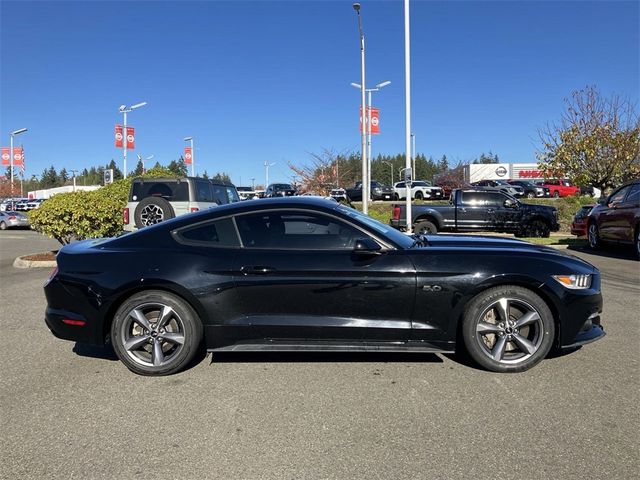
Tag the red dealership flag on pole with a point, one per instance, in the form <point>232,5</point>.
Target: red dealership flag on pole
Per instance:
<point>131,138</point>
<point>18,156</point>
<point>118,136</point>
<point>6,156</point>
<point>188,158</point>
<point>375,120</point>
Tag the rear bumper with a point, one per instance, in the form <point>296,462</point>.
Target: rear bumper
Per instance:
<point>75,332</point>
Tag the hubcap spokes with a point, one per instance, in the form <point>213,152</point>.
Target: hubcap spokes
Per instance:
<point>151,214</point>
<point>509,330</point>
<point>152,334</point>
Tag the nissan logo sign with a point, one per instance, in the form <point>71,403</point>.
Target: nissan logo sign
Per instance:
<point>501,171</point>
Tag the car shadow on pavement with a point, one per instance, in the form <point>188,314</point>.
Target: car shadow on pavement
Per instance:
<point>95,351</point>
<point>324,357</point>
<point>622,252</point>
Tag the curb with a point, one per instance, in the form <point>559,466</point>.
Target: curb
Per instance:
<point>21,263</point>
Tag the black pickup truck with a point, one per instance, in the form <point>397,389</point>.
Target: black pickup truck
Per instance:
<point>476,210</point>
<point>378,191</point>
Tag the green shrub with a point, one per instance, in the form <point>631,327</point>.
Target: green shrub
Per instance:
<point>81,215</point>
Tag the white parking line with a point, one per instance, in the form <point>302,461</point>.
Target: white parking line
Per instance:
<point>12,237</point>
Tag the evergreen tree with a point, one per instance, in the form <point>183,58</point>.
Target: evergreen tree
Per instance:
<point>139,169</point>
<point>443,164</point>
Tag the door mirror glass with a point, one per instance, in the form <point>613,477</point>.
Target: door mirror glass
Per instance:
<point>367,245</point>
<point>508,203</point>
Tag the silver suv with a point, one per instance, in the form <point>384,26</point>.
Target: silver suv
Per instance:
<point>152,200</point>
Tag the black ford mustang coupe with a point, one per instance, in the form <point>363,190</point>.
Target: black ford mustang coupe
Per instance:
<point>309,274</point>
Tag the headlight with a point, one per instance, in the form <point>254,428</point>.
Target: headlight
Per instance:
<point>574,282</point>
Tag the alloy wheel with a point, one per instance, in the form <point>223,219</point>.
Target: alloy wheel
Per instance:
<point>153,334</point>
<point>594,241</point>
<point>151,214</point>
<point>509,331</point>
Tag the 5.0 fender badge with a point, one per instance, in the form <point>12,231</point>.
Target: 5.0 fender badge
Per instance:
<point>432,288</point>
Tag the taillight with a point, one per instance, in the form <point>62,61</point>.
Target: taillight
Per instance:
<point>396,213</point>
<point>76,323</point>
<point>194,209</point>
<point>12,217</point>
<point>125,216</point>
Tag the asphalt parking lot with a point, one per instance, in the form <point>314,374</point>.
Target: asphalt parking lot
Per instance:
<point>68,411</point>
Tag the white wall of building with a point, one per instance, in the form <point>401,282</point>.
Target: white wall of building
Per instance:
<point>500,171</point>
<point>50,192</point>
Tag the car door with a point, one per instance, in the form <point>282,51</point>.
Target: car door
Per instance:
<point>623,218</point>
<point>500,217</point>
<point>298,278</point>
<point>471,211</point>
<point>609,221</point>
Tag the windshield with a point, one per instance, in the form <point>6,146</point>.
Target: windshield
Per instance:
<point>386,231</point>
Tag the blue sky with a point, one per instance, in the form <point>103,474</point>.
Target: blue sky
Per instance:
<point>269,81</point>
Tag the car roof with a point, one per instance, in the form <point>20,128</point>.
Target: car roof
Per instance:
<point>181,179</point>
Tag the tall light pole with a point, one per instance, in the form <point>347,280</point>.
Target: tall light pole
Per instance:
<point>413,153</point>
<point>266,173</point>
<point>363,106</point>
<point>74,179</point>
<point>193,157</point>
<point>13,134</point>
<point>407,86</point>
<point>369,106</point>
<point>124,110</point>
<point>143,160</point>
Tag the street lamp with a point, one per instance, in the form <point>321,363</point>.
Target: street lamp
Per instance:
<point>124,110</point>
<point>407,87</point>
<point>266,173</point>
<point>144,170</point>
<point>369,91</point>
<point>193,161</point>
<point>13,134</point>
<point>365,179</point>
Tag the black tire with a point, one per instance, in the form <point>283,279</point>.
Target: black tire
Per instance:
<point>3,226</point>
<point>556,194</point>
<point>152,210</point>
<point>496,341</point>
<point>140,333</point>
<point>419,195</point>
<point>396,197</point>
<point>424,227</point>
<point>637,242</point>
<point>531,195</point>
<point>538,229</point>
<point>593,236</point>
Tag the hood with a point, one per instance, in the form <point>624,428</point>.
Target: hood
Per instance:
<point>476,242</point>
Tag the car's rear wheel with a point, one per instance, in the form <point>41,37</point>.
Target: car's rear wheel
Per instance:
<point>152,210</point>
<point>156,333</point>
<point>538,229</point>
<point>3,226</point>
<point>424,227</point>
<point>556,194</point>
<point>593,236</point>
<point>419,195</point>
<point>396,196</point>
<point>508,329</point>
<point>530,195</point>
<point>638,242</point>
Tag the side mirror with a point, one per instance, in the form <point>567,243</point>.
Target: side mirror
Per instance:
<point>367,246</point>
<point>508,203</point>
<point>603,200</point>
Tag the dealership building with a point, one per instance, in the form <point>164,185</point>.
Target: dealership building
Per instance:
<point>500,171</point>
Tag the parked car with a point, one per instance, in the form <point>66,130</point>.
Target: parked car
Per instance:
<point>35,203</point>
<point>246,193</point>
<point>279,190</point>
<point>591,191</point>
<point>616,218</point>
<point>339,194</point>
<point>218,278</point>
<point>478,210</point>
<point>501,185</point>
<point>579,224</point>
<point>420,190</point>
<point>153,200</point>
<point>531,190</point>
<point>561,188</point>
<point>378,191</point>
<point>13,220</point>
<point>21,205</point>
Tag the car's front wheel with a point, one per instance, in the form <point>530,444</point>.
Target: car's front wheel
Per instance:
<point>3,226</point>
<point>156,333</point>
<point>508,329</point>
<point>531,195</point>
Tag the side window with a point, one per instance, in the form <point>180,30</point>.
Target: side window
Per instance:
<point>203,192</point>
<point>219,233</point>
<point>634,195</point>
<point>495,200</point>
<point>473,199</point>
<point>295,230</point>
<point>618,197</point>
<point>220,194</point>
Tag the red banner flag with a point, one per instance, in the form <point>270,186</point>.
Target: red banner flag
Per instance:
<point>18,156</point>
<point>375,120</point>
<point>119,136</point>
<point>131,138</point>
<point>6,156</point>
<point>188,158</point>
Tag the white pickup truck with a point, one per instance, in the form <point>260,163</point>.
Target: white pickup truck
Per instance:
<point>420,190</point>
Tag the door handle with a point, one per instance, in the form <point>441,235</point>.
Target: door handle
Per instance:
<point>462,210</point>
<point>490,210</point>
<point>256,270</point>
